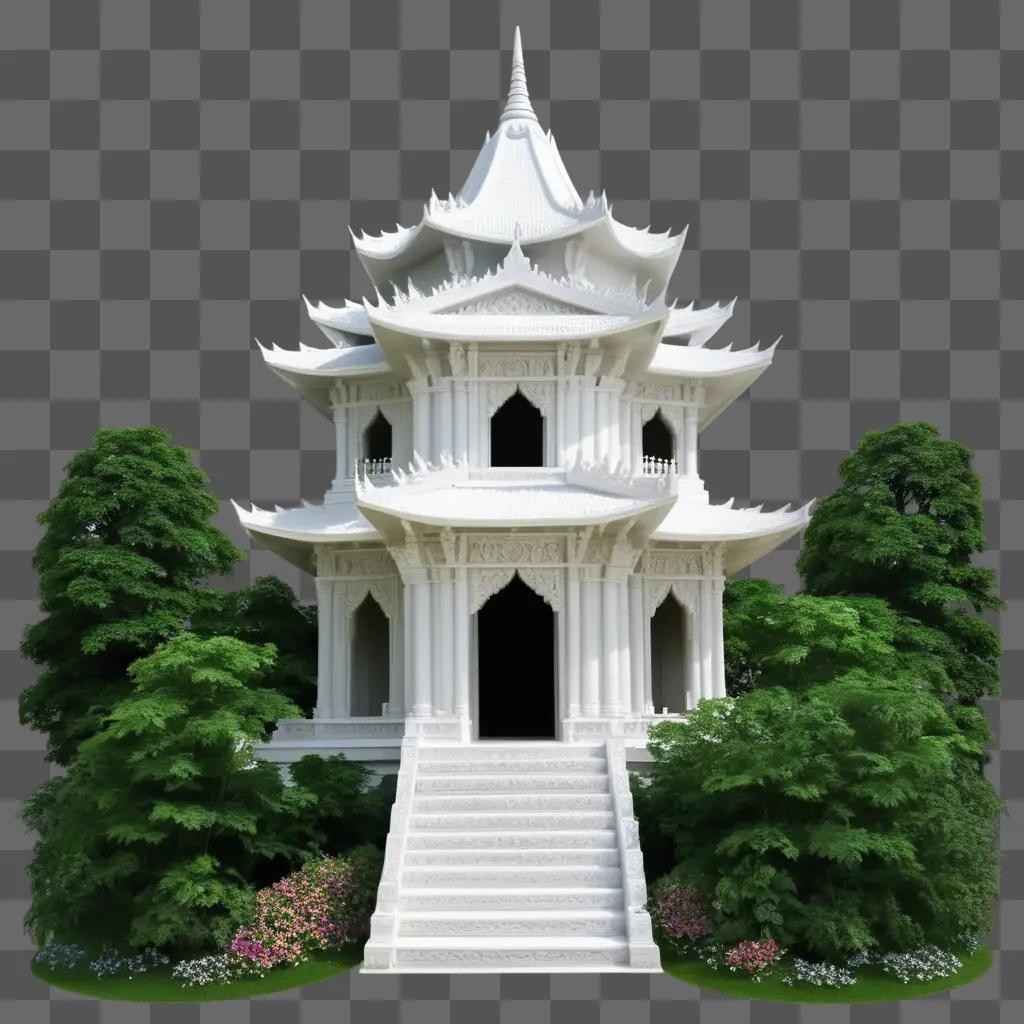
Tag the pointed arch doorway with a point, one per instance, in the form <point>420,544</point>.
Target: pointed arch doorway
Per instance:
<point>515,640</point>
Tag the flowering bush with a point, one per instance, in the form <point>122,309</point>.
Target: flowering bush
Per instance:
<point>822,975</point>
<point>922,964</point>
<point>753,956</point>
<point>678,914</point>
<point>326,903</point>
<point>110,963</point>
<point>219,969</point>
<point>60,955</point>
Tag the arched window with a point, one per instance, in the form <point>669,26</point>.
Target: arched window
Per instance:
<point>668,647</point>
<point>377,438</point>
<point>659,442</point>
<point>517,434</point>
<point>371,658</point>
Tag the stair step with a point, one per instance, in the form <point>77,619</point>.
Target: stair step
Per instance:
<point>525,839</point>
<point>482,752</point>
<point>518,783</point>
<point>492,876</point>
<point>508,923</point>
<point>513,857</point>
<point>484,901</point>
<point>514,820</point>
<point>500,952</point>
<point>460,803</point>
<point>507,765</point>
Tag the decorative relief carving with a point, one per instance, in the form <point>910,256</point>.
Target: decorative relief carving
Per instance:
<point>545,582</point>
<point>517,365</point>
<point>355,564</point>
<point>383,592</point>
<point>656,392</point>
<point>379,392</point>
<point>539,394</point>
<point>485,583</point>
<point>498,394</point>
<point>515,302</point>
<point>672,563</point>
<point>496,549</point>
<point>457,358</point>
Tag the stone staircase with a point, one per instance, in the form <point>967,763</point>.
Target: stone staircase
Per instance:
<point>512,856</point>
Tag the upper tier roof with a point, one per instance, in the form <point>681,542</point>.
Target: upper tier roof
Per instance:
<point>517,185</point>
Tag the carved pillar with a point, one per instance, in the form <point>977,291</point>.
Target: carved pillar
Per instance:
<point>341,703</point>
<point>421,660</point>
<point>339,414</point>
<point>636,432</point>
<point>588,415</point>
<point>690,441</point>
<point>573,433</point>
<point>625,665</point>
<point>421,440</point>
<point>445,685</point>
<point>635,586</point>
<point>717,639</point>
<point>324,672</point>
<point>648,675</point>
<point>462,642</point>
<point>609,647</point>
<point>706,622</point>
<point>691,657</point>
<point>461,451</point>
<point>590,653</point>
<point>445,416</point>
<point>609,395</point>
<point>604,423</point>
<point>396,634</point>
<point>408,647</point>
<point>572,639</point>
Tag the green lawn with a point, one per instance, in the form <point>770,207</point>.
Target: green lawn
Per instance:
<point>157,986</point>
<point>872,987</point>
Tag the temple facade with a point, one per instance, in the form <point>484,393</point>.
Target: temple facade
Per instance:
<point>518,567</point>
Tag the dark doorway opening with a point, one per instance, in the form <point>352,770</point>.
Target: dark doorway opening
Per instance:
<point>371,659</point>
<point>377,438</point>
<point>668,681</point>
<point>658,440</point>
<point>516,660</point>
<point>517,434</point>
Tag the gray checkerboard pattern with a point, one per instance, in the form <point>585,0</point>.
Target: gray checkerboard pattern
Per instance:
<point>174,174</point>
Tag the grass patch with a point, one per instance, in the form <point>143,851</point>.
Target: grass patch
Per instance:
<point>873,986</point>
<point>157,985</point>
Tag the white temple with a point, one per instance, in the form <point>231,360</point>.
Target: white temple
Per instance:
<point>518,567</point>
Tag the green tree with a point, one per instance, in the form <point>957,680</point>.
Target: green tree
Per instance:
<point>834,819</point>
<point>268,612</point>
<point>127,538</point>
<point>164,819</point>
<point>903,525</point>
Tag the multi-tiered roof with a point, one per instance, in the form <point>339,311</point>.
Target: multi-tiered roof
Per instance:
<point>517,258</point>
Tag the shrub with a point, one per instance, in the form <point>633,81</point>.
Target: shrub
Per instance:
<point>218,969</point>
<point>753,956</point>
<point>327,903</point>
<point>678,914</point>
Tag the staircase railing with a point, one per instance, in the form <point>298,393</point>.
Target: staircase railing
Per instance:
<point>379,952</point>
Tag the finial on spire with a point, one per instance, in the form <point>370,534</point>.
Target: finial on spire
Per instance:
<point>518,105</point>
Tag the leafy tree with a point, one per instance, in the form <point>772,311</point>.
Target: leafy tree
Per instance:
<point>903,525</point>
<point>834,819</point>
<point>350,810</point>
<point>127,538</point>
<point>164,818</point>
<point>268,612</point>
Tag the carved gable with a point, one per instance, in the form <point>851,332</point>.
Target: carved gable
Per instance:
<point>515,301</point>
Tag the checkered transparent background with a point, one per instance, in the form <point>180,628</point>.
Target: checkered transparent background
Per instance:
<point>174,174</point>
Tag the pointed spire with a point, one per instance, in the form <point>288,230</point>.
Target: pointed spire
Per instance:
<point>518,105</point>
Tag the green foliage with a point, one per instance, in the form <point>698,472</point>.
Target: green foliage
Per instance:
<point>127,538</point>
<point>155,833</point>
<point>350,810</point>
<point>268,612</point>
<point>903,525</point>
<point>838,817</point>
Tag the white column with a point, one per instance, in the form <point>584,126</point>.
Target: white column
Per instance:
<point>690,441</point>
<point>691,657</point>
<point>636,643</point>
<point>396,668</point>
<point>342,702</point>
<point>636,431</point>
<point>625,693</point>
<point>609,648</point>
<point>588,412</point>
<point>560,404</point>
<point>445,637</point>
<point>408,647</point>
<point>604,423</point>
<point>325,635</point>
<point>625,427</point>
<point>572,420</point>
<point>717,639</point>
<point>590,652</point>
<point>461,451</point>
<point>648,675</point>
<point>572,639</point>
<point>462,642</point>
<point>445,416</point>
<point>420,417</point>
<point>422,689</point>
<point>342,464</point>
<point>706,626</point>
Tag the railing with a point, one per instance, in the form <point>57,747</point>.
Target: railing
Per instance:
<point>372,467</point>
<point>651,466</point>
